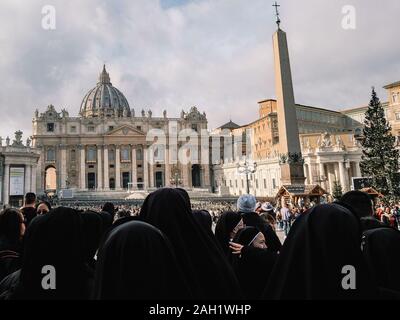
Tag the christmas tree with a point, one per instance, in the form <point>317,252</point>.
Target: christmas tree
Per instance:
<point>337,190</point>
<point>379,157</point>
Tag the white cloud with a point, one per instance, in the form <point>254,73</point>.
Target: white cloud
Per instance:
<point>216,54</point>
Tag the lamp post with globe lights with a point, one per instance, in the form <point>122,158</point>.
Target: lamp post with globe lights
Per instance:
<point>247,168</point>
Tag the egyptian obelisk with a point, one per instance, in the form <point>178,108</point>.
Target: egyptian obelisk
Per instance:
<point>289,142</point>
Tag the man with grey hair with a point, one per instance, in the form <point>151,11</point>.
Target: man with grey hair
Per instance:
<point>246,206</point>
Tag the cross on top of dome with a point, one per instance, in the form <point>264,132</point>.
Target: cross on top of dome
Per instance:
<point>104,76</point>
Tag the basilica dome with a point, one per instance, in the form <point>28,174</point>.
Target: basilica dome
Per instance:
<point>104,100</point>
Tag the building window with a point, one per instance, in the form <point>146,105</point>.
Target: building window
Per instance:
<point>110,128</point>
<point>139,128</point>
<point>50,155</point>
<point>72,129</point>
<point>124,154</point>
<point>273,184</point>
<point>194,127</point>
<point>397,115</point>
<point>265,183</point>
<point>395,97</point>
<point>236,184</point>
<point>91,154</point>
<point>50,127</point>
<point>90,129</point>
<point>111,166</point>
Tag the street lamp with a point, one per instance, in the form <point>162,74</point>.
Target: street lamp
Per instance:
<point>247,168</point>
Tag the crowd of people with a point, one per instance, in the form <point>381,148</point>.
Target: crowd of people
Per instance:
<point>169,248</point>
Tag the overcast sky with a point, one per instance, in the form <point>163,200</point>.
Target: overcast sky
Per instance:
<point>174,54</point>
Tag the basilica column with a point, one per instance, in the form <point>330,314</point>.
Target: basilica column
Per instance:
<point>167,168</point>
<point>310,177</point>
<point>151,172</point>
<point>358,169</point>
<point>185,175</point>
<point>145,168</point>
<point>99,169</point>
<point>343,176</point>
<point>106,169</point>
<point>134,168</point>
<point>83,169</point>
<point>33,184</point>
<point>322,174</point>
<point>117,168</point>
<point>6,184</point>
<point>206,180</point>
<point>28,178</point>
<point>63,176</point>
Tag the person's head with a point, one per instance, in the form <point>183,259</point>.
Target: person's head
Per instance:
<point>12,227</point>
<point>109,207</point>
<point>93,231</point>
<point>43,207</point>
<point>314,243</point>
<point>123,213</point>
<point>203,217</point>
<point>228,225</point>
<point>360,202</point>
<point>267,207</point>
<point>246,203</point>
<point>55,239</point>
<point>387,210</point>
<point>30,199</point>
<point>251,236</point>
<point>129,263</point>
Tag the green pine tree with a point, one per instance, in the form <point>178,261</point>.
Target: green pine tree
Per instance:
<point>337,190</point>
<point>379,157</point>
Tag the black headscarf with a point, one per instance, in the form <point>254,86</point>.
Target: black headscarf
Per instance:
<point>381,249</point>
<point>204,219</point>
<point>311,261</point>
<point>137,262</point>
<point>93,231</point>
<point>55,239</point>
<point>107,220</point>
<point>246,235</point>
<point>208,273</point>
<point>254,265</point>
<point>225,225</point>
<point>10,229</point>
<point>109,207</point>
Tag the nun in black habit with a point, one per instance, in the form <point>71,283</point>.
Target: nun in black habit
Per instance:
<point>381,249</point>
<point>252,261</point>
<point>137,262</point>
<point>207,271</point>
<point>93,231</point>
<point>54,239</point>
<point>310,265</point>
<point>228,225</point>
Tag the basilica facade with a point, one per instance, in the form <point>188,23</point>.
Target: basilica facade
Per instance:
<point>107,147</point>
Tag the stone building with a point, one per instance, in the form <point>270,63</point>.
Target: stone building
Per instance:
<point>107,146</point>
<point>18,168</point>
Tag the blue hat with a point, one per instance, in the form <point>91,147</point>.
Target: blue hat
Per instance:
<point>246,203</point>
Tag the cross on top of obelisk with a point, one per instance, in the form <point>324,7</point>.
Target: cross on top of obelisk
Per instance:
<point>278,20</point>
